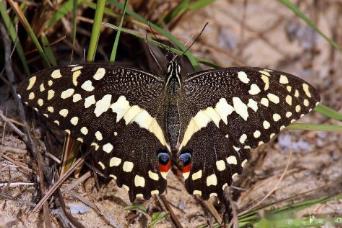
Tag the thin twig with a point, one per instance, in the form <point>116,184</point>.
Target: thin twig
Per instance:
<point>16,184</point>
<point>276,184</point>
<point>164,203</point>
<point>60,181</point>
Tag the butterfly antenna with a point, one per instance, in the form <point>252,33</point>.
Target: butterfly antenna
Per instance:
<point>149,49</point>
<point>194,41</point>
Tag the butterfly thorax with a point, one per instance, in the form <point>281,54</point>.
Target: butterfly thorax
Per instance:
<point>172,120</point>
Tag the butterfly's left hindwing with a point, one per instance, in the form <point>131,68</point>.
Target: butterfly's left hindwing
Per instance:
<point>114,110</point>
<point>229,111</point>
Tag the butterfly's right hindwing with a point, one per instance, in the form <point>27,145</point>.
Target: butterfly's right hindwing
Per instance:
<point>114,110</point>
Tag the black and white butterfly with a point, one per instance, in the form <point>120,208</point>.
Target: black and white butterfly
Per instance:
<point>136,123</point>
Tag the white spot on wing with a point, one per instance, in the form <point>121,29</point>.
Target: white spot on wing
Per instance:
<point>64,112</point>
<point>56,74</point>
<point>272,97</point>
<point>139,181</point>
<point>31,83</point>
<point>257,134</point>
<point>75,76</point>
<point>223,109</point>
<point>253,105</point>
<point>89,101</point>
<point>197,175</point>
<point>276,117</point>
<point>127,166</point>
<point>67,93</point>
<point>243,77</point>
<point>98,135</point>
<point>131,113</point>
<point>153,175</point>
<point>87,86</point>
<point>283,79</point>
<point>84,130</point>
<point>266,80</point>
<point>266,124</point>
<point>114,161</point>
<point>306,89</point>
<point>288,100</point>
<point>77,97</point>
<point>197,192</point>
<point>74,120</point>
<point>102,105</point>
<point>264,101</point>
<point>232,160</point>
<point>51,94</point>
<point>211,180</point>
<point>31,96</point>
<point>240,108</point>
<point>120,107</point>
<point>243,138</point>
<point>254,89</point>
<point>220,165</point>
<point>99,74</point>
<point>108,147</point>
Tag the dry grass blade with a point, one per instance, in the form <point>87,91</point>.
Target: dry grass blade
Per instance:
<point>59,182</point>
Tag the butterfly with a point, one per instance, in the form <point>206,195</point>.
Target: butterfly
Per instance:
<point>139,124</point>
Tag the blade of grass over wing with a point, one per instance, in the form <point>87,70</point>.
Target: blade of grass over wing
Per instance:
<point>329,112</point>
<point>48,50</point>
<point>163,32</point>
<point>315,127</point>
<point>29,30</point>
<point>117,37</point>
<point>136,34</point>
<point>294,8</point>
<point>95,33</point>
<point>13,35</point>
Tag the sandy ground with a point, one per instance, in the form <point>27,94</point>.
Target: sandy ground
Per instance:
<point>264,33</point>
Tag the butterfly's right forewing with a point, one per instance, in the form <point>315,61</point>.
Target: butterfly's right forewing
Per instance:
<point>228,112</point>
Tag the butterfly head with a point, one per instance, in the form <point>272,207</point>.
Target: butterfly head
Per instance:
<point>173,70</point>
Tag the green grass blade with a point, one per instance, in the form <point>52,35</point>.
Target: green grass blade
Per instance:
<point>29,30</point>
<point>200,4</point>
<point>315,127</point>
<point>165,33</point>
<point>13,35</point>
<point>95,33</point>
<point>74,27</point>
<point>156,218</point>
<point>117,37</point>
<point>294,8</point>
<point>329,112</point>
<point>181,8</point>
<point>283,214</point>
<point>107,11</point>
<point>61,12</point>
<point>48,50</point>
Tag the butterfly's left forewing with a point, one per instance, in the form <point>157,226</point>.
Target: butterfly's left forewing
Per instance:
<point>115,110</point>
<point>229,111</point>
